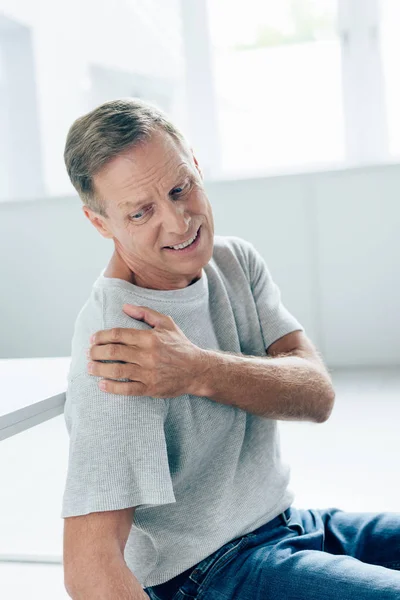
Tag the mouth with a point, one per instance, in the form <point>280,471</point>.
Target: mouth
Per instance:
<point>195,240</point>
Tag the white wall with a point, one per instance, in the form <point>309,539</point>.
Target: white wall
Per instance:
<point>331,241</point>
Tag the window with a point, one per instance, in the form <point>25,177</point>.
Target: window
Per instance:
<point>390,45</point>
<point>258,87</point>
<point>277,68</point>
<point>295,85</point>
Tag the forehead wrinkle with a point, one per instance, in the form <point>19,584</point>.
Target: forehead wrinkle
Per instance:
<point>165,168</point>
<point>141,198</point>
<point>182,167</point>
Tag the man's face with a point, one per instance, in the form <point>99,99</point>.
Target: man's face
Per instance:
<point>155,198</point>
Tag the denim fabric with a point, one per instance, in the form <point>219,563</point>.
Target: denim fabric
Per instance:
<point>313,554</point>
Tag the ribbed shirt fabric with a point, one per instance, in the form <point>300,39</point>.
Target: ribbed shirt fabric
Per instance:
<point>200,473</point>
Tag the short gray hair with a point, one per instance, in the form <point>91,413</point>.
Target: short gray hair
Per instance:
<point>96,137</point>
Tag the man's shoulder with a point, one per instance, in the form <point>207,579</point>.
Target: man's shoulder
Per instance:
<point>88,320</point>
<point>102,310</point>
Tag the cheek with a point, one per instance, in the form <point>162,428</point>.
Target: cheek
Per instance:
<point>127,226</point>
<point>145,242</point>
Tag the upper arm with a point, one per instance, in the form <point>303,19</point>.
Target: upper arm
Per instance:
<point>118,455</point>
<point>275,319</point>
<point>98,535</point>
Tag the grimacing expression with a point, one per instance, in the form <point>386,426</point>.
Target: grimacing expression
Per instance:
<point>154,197</point>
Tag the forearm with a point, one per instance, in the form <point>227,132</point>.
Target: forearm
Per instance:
<point>106,582</point>
<point>288,388</point>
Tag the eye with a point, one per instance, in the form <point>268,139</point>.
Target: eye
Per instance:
<point>138,215</point>
<point>180,189</point>
<point>177,191</point>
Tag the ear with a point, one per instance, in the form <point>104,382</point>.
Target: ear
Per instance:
<point>196,163</point>
<point>97,221</point>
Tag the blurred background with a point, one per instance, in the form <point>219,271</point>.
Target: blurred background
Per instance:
<point>292,110</point>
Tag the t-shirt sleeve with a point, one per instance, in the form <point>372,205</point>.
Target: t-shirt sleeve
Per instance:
<point>275,320</point>
<point>117,451</point>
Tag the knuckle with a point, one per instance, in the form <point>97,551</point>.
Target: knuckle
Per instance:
<point>112,350</point>
<point>115,334</point>
<point>119,372</point>
<point>116,371</point>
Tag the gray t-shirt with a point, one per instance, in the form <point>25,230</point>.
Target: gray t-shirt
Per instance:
<point>200,473</point>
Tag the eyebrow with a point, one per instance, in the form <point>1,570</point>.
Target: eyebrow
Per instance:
<point>138,203</point>
<point>133,204</point>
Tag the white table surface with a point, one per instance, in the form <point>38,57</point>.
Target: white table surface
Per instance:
<point>32,390</point>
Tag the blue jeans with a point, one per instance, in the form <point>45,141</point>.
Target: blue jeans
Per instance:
<point>313,554</point>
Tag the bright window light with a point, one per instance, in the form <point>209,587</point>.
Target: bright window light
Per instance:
<point>277,71</point>
<point>390,45</point>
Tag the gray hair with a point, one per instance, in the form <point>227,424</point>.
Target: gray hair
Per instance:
<point>96,137</point>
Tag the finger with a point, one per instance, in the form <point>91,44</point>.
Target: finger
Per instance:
<point>122,335</point>
<point>114,352</point>
<point>114,370</point>
<point>126,388</point>
<point>148,315</point>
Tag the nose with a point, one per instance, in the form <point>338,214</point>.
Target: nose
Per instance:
<point>175,220</point>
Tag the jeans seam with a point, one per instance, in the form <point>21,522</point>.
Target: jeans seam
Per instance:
<point>219,564</point>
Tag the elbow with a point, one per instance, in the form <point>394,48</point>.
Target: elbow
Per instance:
<point>69,590</point>
<point>71,586</point>
<point>74,584</point>
<point>327,405</point>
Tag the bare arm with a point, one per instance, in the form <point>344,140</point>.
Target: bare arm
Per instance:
<point>94,565</point>
<point>290,384</point>
<point>108,582</point>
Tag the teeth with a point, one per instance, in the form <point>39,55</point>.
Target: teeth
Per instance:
<point>184,245</point>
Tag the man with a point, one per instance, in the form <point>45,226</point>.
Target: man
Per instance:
<point>175,481</point>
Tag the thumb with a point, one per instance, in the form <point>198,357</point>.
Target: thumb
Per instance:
<point>143,313</point>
